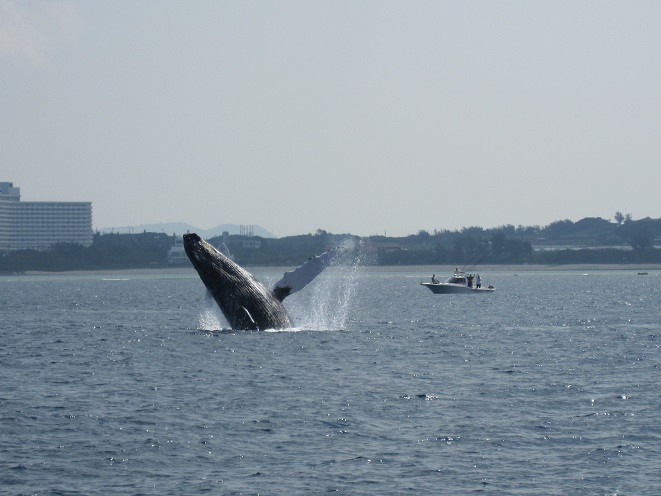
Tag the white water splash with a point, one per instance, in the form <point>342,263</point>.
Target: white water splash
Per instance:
<point>325,304</point>
<point>211,318</point>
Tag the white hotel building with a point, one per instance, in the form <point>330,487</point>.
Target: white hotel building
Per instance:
<point>39,225</point>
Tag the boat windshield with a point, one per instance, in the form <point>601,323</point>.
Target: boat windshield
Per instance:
<point>457,280</point>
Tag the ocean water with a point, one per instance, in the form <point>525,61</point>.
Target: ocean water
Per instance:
<point>132,384</point>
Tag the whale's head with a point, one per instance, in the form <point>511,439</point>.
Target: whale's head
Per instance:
<point>245,303</point>
<point>211,264</point>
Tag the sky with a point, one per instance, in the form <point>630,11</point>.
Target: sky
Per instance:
<point>363,117</point>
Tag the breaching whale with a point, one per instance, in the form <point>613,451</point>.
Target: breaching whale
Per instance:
<point>245,303</point>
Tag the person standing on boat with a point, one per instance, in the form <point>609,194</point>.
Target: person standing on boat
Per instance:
<point>469,280</point>
<point>478,281</point>
<point>433,279</point>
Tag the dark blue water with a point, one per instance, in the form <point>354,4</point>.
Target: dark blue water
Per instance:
<point>119,384</point>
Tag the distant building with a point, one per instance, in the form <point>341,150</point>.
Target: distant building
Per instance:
<point>177,253</point>
<point>40,225</point>
<point>385,247</point>
<point>251,244</point>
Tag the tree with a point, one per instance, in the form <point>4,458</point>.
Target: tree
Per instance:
<point>559,228</point>
<point>619,217</point>
<point>641,240</point>
<point>498,245</point>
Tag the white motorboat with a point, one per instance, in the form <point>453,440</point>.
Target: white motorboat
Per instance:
<point>458,283</point>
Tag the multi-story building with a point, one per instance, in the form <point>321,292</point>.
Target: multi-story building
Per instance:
<point>40,225</point>
<point>177,253</point>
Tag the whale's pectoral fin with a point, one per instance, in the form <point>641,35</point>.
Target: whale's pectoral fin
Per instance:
<point>297,279</point>
<point>245,320</point>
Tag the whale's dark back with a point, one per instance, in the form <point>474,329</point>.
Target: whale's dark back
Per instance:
<point>245,303</point>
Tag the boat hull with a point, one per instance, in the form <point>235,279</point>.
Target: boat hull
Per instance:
<point>447,288</point>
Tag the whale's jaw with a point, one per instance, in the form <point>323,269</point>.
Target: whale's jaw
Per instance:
<point>245,303</point>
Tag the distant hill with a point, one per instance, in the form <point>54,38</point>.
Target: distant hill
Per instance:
<point>180,228</point>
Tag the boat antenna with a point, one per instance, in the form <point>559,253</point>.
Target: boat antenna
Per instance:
<point>468,267</point>
<point>477,263</point>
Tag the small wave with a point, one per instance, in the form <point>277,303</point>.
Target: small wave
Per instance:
<point>422,396</point>
<point>213,329</point>
<point>302,329</point>
<point>215,332</point>
<point>339,424</point>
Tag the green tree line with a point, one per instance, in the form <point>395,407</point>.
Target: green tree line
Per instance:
<point>502,245</point>
<point>108,251</point>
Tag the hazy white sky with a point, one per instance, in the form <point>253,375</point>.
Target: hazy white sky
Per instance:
<point>349,116</point>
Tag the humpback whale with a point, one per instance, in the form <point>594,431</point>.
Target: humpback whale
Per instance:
<point>245,303</point>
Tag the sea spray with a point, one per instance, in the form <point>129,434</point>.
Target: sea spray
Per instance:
<point>211,318</point>
<point>325,305</point>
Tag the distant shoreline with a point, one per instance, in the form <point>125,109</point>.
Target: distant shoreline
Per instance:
<point>444,269</point>
<point>439,269</point>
